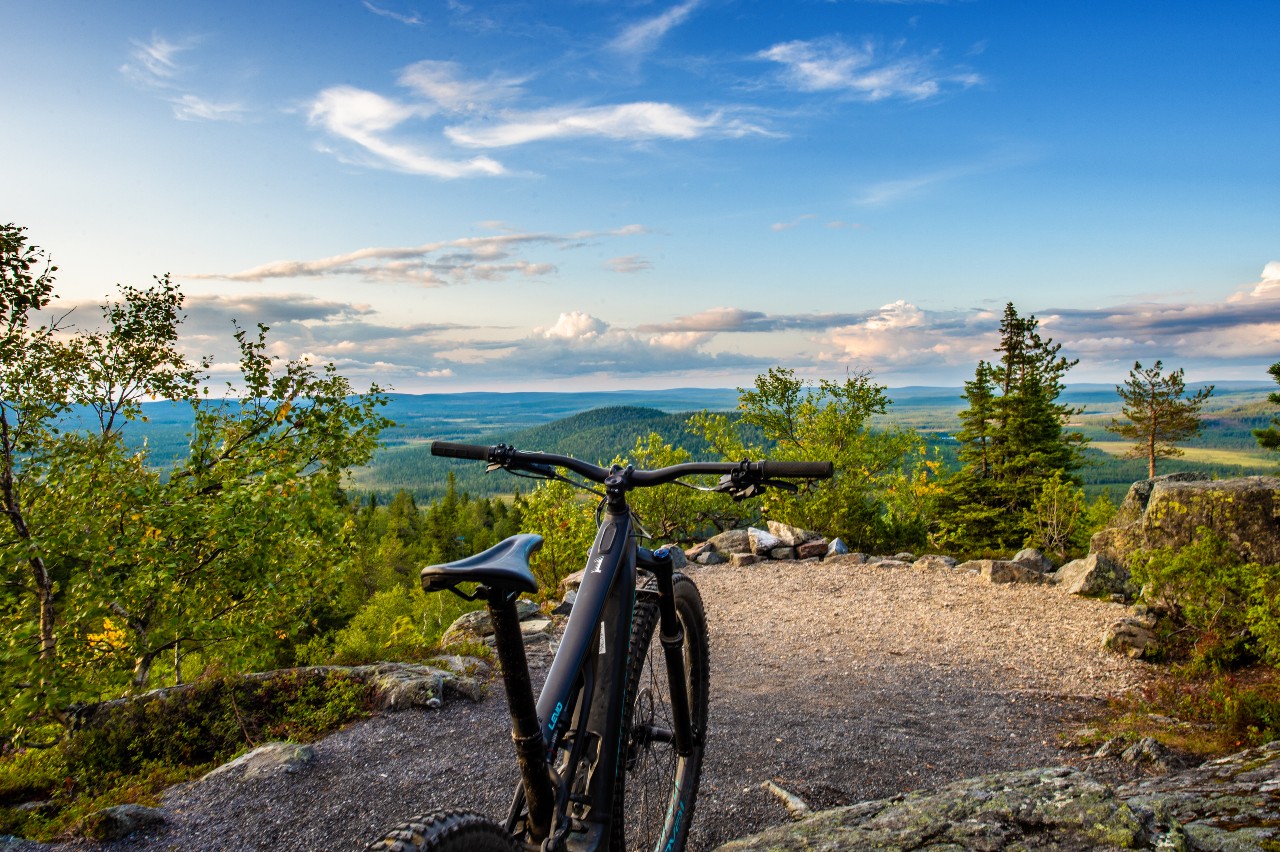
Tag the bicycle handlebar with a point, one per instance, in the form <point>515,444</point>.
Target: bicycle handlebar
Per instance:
<point>510,457</point>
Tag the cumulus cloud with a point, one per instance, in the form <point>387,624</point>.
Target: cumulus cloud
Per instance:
<point>832,65</point>
<point>435,264</point>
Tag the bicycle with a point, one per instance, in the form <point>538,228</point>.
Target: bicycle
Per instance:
<point>616,717</point>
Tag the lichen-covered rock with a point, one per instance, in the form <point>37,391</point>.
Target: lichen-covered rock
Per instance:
<point>1227,804</point>
<point>271,759</point>
<point>1041,809</point>
<point>1166,512</point>
<point>476,625</point>
<point>1093,576</point>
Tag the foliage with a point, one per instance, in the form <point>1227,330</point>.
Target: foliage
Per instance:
<point>882,492</point>
<point>674,514</point>
<point>566,521</point>
<point>1012,441</point>
<point>1269,438</point>
<point>143,745</point>
<point>114,568</point>
<point>1217,712</point>
<point>1224,611</point>
<point>402,624</point>
<point>1159,413</point>
<point>1055,518</point>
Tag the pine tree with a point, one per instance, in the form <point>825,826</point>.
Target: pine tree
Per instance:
<point>1269,438</point>
<point>1159,413</point>
<point>1011,439</point>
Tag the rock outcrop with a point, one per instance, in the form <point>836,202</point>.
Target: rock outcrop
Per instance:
<point>1227,804</point>
<point>1167,511</point>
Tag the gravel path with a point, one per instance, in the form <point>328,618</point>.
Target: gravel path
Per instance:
<point>840,682</point>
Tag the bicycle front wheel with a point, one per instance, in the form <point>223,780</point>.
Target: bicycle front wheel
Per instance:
<point>654,797</point>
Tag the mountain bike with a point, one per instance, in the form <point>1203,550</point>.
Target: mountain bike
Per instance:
<point>621,717</point>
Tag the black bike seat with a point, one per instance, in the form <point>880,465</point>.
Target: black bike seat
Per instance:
<point>504,566</point>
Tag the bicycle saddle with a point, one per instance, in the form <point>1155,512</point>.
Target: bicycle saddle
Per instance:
<point>505,566</point>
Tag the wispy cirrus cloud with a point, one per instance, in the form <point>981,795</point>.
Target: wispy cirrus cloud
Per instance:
<point>832,65</point>
<point>644,36</point>
<point>154,65</point>
<point>630,264</point>
<point>413,19</point>
<point>435,264</point>
<point>444,108</point>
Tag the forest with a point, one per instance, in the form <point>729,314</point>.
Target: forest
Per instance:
<point>283,522</point>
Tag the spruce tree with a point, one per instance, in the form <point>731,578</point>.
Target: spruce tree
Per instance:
<point>1012,439</point>
<point>1159,413</point>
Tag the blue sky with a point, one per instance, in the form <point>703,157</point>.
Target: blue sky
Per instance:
<point>442,195</point>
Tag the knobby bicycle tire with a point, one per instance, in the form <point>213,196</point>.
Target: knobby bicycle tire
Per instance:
<point>656,789</point>
<point>446,831</point>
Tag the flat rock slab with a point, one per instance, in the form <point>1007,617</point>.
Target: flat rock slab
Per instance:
<point>278,758</point>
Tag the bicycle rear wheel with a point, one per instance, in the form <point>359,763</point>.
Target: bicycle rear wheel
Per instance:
<point>446,831</point>
<point>654,797</point>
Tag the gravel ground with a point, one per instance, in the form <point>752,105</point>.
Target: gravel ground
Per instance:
<point>839,682</point>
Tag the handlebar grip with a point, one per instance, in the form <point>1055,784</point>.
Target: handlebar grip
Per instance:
<point>799,470</point>
<point>459,451</point>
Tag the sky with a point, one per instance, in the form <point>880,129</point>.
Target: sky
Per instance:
<point>441,196</point>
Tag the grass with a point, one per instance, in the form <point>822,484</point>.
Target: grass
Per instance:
<point>144,746</point>
<point>1207,455</point>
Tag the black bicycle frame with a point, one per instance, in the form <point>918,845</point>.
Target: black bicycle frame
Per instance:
<point>584,689</point>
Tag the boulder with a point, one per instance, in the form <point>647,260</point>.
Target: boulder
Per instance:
<point>791,536</point>
<point>935,561</point>
<point>905,556</point>
<point>815,549</point>
<point>731,541</point>
<point>272,759</point>
<point>742,560</point>
<point>697,550</point>
<point>786,553</point>
<point>762,541</point>
<point>837,547</point>
<point>1093,576</point>
<point>1129,637</point>
<point>1002,571</point>
<point>118,822</point>
<point>1034,558</point>
<point>1166,512</point>
<point>475,625</point>
<point>678,560</point>
<point>711,557</point>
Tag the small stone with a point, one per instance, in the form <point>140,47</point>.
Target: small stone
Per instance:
<point>837,547</point>
<point>904,557</point>
<point>711,558</point>
<point>742,560</point>
<point>812,549</point>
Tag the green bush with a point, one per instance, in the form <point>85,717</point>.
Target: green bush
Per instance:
<point>1224,611</point>
<point>397,624</point>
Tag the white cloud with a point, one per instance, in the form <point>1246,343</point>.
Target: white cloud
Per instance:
<point>154,62</point>
<point>630,264</point>
<point>644,36</point>
<point>193,108</point>
<point>831,65</point>
<point>412,20</point>
<point>434,264</point>
<point>626,122</point>
<point>575,325</point>
<point>363,118</point>
<point>441,83</point>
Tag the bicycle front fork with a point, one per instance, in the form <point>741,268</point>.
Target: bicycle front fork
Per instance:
<point>671,634</point>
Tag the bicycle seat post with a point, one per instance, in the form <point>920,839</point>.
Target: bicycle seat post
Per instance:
<point>526,731</point>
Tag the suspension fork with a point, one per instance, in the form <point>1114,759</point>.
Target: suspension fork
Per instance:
<point>671,634</point>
